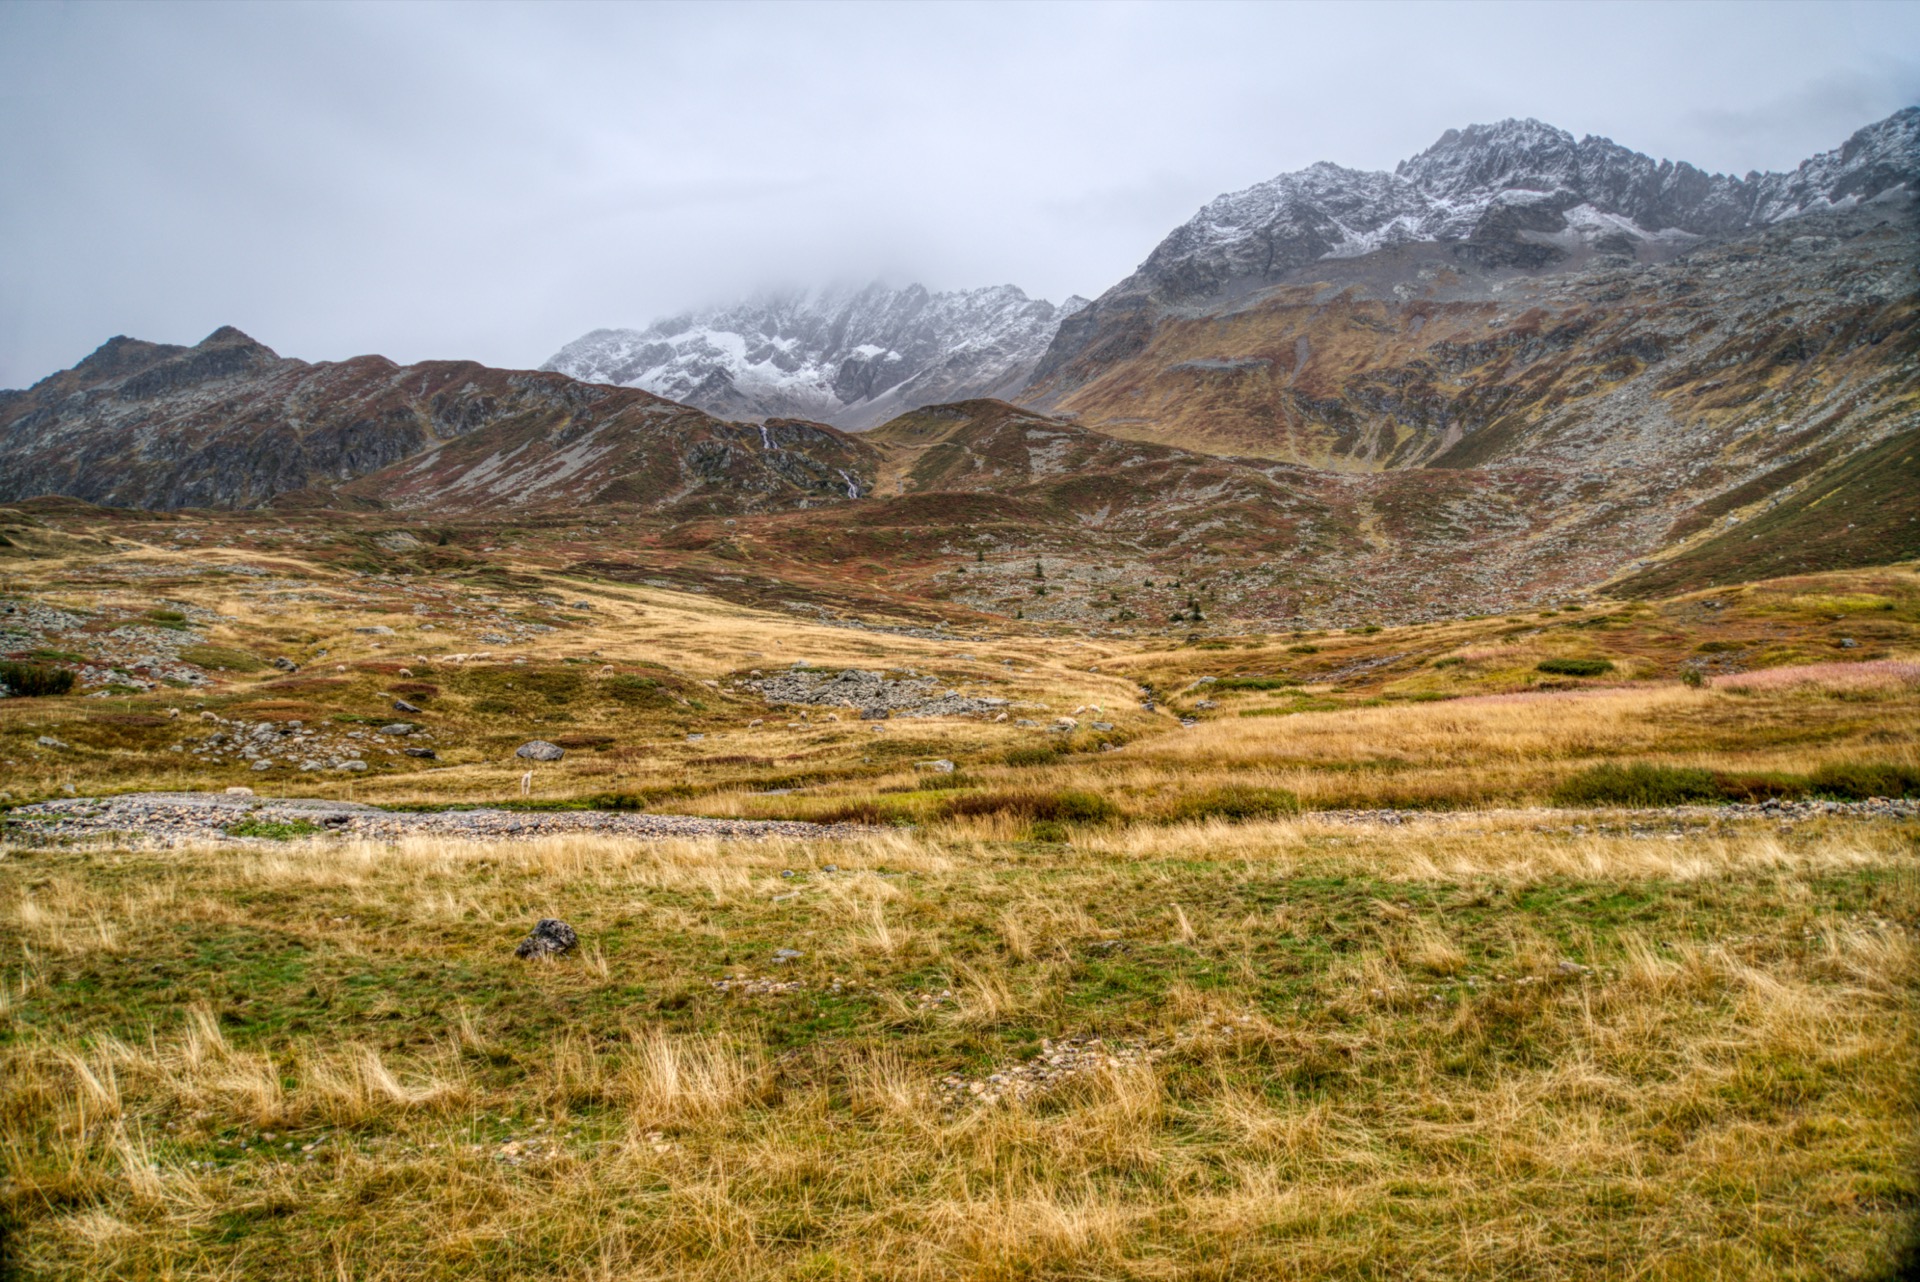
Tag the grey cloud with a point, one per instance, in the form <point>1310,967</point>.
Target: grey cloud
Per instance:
<point>491,181</point>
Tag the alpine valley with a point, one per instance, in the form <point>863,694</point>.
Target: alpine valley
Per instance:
<point>1384,745</point>
<point>1518,368</point>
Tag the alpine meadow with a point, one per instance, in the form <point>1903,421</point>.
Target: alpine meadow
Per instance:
<point>1385,744</point>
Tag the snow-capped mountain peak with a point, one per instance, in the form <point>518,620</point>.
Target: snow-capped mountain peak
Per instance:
<point>1512,193</point>
<point>852,357</point>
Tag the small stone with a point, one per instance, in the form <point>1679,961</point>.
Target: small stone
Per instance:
<point>550,938</point>
<point>258,766</point>
<point>940,766</point>
<point>351,765</point>
<point>398,728</point>
<point>401,705</point>
<point>48,741</point>
<point>540,750</point>
<point>425,754</point>
<point>239,790</point>
<point>786,954</point>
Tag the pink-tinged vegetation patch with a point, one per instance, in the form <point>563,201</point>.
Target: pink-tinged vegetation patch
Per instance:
<point>1872,674</point>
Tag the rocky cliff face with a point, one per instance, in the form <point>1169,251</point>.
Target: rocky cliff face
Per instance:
<point>229,424</point>
<point>851,358</point>
<point>1517,195</point>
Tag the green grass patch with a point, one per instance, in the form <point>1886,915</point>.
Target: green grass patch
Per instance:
<point>1639,784</point>
<point>1037,755</point>
<point>221,657</point>
<point>1302,704</point>
<point>1861,780</point>
<point>1236,803</point>
<point>1255,683</point>
<point>1574,667</point>
<point>1056,805</point>
<point>55,656</point>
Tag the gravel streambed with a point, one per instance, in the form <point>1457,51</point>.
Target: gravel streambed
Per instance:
<point>178,818</point>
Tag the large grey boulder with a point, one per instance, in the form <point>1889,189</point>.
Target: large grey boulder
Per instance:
<point>540,750</point>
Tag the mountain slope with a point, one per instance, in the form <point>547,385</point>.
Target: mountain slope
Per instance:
<point>852,358</point>
<point>1677,350</point>
<point>1514,194</point>
<point>230,424</point>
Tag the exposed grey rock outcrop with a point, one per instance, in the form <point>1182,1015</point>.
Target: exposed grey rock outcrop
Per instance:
<point>550,938</point>
<point>875,695</point>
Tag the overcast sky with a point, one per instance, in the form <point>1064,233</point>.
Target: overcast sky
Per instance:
<point>490,181</point>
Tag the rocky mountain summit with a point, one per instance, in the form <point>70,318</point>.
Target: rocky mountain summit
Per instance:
<point>849,357</point>
<point>1514,195</point>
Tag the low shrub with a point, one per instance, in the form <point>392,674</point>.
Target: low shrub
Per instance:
<point>1638,784</point>
<point>944,783</point>
<point>1056,805</point>
<point>1236,803</point>
<point>871,813</point>
<point>1860,780</point>
<point>1255,683</point>
<point>1760,787</point>
<point>1574,667</point>
<point>1037,755</point>
<point>31,680</point>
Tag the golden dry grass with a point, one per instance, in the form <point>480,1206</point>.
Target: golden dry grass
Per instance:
<point>1474,1048</point>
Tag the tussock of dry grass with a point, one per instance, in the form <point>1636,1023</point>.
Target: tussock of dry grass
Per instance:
<point>1465,1049</point>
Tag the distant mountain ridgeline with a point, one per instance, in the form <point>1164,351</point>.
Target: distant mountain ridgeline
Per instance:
<point>850,357</point>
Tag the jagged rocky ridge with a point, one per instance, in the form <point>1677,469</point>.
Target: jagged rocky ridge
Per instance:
<point>1517,194</point>
<point>849,357</point>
